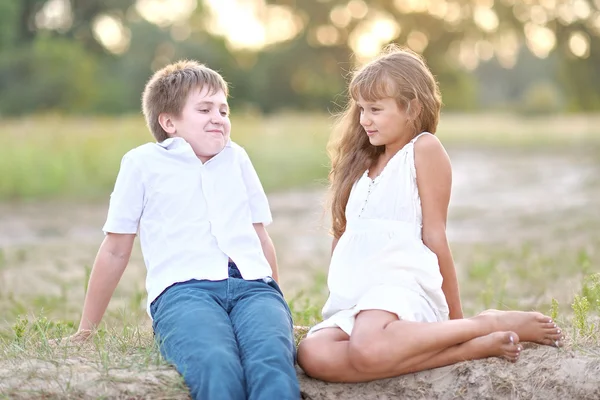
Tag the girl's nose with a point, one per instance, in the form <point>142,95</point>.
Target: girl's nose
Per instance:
<point>364,120</point>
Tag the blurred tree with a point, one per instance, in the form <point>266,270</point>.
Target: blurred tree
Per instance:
<point>8,23</point>
<point>470,45</point>
<point>68,18</point>
<point>467,32</point>
<point>47,74</point>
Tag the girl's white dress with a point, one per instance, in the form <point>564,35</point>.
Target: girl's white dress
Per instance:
<point>380,262</point>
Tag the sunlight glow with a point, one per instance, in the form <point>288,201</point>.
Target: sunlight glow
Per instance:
<point>565,14</point>
<point>467,56</point>
<point>410,6</point>
<point>327,35</point>
<point>417,41</point>
<point>484,50</point>
<point>453,13</point>
<point>340,16</point>
<point>506,48</point>
<point>540,40</point>
<point>250,24</point>
<point>486,18</point>
<point>581,9</point>
<point>55,15</point>
<point>437,8</point>
<point>371,35</point>
<point>358,8</point>
<point>165,12</point>
<point>579,44</point>
<point>538,15</point>
<point>111,33</point>
<point>595,22</point>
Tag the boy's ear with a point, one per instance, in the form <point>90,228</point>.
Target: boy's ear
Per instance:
<point>166,122</point>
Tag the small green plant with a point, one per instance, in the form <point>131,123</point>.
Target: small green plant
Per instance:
<point>554,309</point>
<point>581,308</point>
<point>584,262</point>
<point>20,328</point>
<point>591,290</point>
<point>480,271</point>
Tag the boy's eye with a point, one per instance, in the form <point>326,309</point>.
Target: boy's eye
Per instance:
<point>224,113</point>
<point>203,110</point>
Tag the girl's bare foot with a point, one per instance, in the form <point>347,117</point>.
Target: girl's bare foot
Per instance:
<point>496,344</point>
<point>530,326</point>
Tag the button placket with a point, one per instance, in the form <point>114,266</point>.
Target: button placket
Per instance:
<point>372,183</point>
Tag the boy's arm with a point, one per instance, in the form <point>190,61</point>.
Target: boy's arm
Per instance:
<point>111,260</point>
<point>268,248</point>
<point>434,181</point>
<point>126,205</point>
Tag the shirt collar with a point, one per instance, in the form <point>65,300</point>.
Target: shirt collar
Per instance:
<point>176,142</point>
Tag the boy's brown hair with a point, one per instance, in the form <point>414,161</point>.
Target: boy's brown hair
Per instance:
<point>168,90</point>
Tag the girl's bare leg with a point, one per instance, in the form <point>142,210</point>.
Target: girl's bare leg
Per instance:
<point>325,356</point>
<point>381,346</point>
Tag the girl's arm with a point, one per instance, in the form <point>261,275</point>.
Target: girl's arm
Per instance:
<point>434,180</point>
<point>108,268</point>
<point>268,249</point>
<point>333,244</point>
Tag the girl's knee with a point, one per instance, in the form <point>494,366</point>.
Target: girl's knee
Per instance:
<point>368,356</point>
<point>312,359</point>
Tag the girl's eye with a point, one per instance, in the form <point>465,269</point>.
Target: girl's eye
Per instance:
<point>375,109</point>
<point>203,111</point>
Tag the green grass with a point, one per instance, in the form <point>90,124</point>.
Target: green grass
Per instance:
<point>80,157</point>
<point>54,156</point>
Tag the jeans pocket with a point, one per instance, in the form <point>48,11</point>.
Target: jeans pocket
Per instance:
<point>154,306</point>
<point>271,282</point>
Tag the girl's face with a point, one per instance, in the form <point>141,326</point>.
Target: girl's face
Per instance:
<point>384,122</point>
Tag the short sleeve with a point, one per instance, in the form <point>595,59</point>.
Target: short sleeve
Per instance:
<point>126,200</point>
<point>259,204</point>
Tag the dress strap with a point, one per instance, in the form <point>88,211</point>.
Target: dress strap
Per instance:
<point>420,134</point>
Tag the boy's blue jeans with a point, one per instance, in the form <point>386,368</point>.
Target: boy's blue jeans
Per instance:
<point>230,339</point>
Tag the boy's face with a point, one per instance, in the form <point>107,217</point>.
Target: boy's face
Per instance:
<point>204,123</point>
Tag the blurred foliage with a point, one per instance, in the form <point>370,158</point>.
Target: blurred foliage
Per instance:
<point>63,67</point>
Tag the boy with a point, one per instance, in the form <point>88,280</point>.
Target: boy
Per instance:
<point>194,196</point>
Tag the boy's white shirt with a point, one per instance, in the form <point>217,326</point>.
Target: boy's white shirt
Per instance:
<point>191,217</point>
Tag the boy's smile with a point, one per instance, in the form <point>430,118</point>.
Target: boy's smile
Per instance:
<point>204,123</point>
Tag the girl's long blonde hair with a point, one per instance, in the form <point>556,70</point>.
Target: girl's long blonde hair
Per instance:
<point>397,73</point>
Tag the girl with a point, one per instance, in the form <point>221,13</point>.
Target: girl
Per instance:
<point>391,279</point>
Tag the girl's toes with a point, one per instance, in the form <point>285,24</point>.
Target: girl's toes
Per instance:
<point>550,325</point>
<point>554,336</point>
<point>552,342</point>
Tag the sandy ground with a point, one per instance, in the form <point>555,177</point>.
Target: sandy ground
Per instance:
<point>498,197</point>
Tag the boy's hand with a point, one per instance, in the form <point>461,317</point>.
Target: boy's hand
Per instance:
<point>79,337</point>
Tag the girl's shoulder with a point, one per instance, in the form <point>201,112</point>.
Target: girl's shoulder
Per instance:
<point>428,144</point>
<point>430,155</point>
